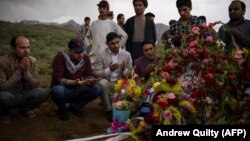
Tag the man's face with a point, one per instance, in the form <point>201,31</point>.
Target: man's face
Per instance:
<point>87,22</point>
<point>75,56</point>
<point>149,51</point>
<point>22,48</point>
<point>139,7</point>
<point>114,45</point>
<point>103,10</point>
<point>184,12</point>
<point>235,11</point>
<point>121,20</point>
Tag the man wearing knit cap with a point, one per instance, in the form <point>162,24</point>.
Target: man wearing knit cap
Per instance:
<point>139,28</point>
<point>95,38</point>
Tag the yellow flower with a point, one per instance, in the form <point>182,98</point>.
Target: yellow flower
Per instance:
<point>166,122</point>
<point>118,86</point>
<point>177,89</point>
<point>187,104</point>
<point>155,85</point>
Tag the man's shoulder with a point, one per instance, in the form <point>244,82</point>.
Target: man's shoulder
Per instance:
<point>247,21</point>
<point>130,19</point>
<point>139,60</point>
<point>32,58</point>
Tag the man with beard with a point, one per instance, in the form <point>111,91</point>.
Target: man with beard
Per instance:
<point>139,28</point>
<point>19,81</point>
<point>73,81</point>
<point>113,64</point>
<point>238,27</point>
<point>147,63</point>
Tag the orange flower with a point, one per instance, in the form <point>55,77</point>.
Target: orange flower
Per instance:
<point>162,103</point>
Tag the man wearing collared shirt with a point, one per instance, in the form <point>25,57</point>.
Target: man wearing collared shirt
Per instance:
<point>185,22</point>
<point>238,27</point>
<point>113,63</point>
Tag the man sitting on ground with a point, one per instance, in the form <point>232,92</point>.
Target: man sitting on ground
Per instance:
<point>113,63</point>
<point>147,63</point>
<point>73,80</point>
<point>19,81</point>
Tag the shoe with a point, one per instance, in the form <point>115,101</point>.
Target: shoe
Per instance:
<point>75,112</point>
<point>63,115</point>
<point>109,116</point>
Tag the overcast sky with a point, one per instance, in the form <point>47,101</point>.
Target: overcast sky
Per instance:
<point>61,11</point>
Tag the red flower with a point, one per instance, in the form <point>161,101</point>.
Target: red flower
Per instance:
<point>162,103</point>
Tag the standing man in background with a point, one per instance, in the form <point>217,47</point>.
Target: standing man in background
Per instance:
<point>121,20</point>
<point>85,27</point>
<point>185,22</point>
<point>238,26</point>
<point>139,28</point>
<point>95,38</point>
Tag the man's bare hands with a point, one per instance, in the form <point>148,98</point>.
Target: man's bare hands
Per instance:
<point>23,65</point>
<point>116,66</point>
<point>149,68</point>
<point>232,31</point>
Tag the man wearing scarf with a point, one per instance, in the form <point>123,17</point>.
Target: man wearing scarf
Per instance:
<point>73,80</point>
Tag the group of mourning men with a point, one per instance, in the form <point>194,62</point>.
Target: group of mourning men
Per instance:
<point>91,66</point>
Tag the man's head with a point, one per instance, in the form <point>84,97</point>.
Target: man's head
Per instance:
<point>20,46</point>
<point>149,49</point>
<point>172,22</point>
<point>110,15</point>
<point>140,6</point>
<point>120,19</point>
<point>236,10</point>
<point>150,16</point>
<point>103,7</point>
<point>203,18</point>
<point>87,20</point>
<point>184,8</point>
<point>76,49</point>
<point>113,42</point>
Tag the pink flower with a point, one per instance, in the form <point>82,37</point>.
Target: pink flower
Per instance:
<point>209,100</point>
<point>205,61</point>
<point>209,39</point>
<point>171,96</point>
<point>192,43</point>
<point>196,30</point>
<point>167,114</point>
<point>174,50</point>
<point>185,52</point>
<point>165,74</point>
<point>204,25</point>
<point>192,51</point>
<point>171,64</point>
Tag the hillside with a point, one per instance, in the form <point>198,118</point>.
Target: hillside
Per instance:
<point>45,40</point>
